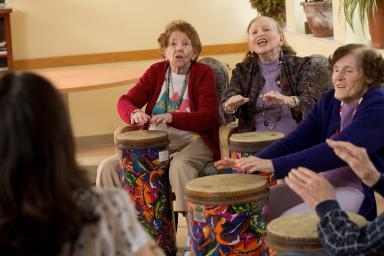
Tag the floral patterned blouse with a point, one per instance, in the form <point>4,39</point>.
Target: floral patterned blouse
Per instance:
<point>117,232</point>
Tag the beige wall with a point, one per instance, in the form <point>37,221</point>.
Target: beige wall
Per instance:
<point>94,112</point>
<point>46,28</point>
<point>50,28</point>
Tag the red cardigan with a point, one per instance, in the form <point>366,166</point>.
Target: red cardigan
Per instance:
<point>202,119</point>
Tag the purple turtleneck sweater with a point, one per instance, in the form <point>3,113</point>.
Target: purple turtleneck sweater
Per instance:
<point>286,123</point>
<point>344,176</point>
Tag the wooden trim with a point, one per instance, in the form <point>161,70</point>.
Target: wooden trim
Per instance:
<point>94,140</point>
<point>224,49</point>
<point>99,58</point>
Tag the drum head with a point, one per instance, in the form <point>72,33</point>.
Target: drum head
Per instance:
<point>226,189</point>
<point>253,141</point>
<point>142,139</point>
<point>298,232</point>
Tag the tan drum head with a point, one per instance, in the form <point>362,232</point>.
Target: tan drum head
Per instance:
<point>227,189</point>
<point>253,141</point>
<point>142,139</point>
<point>298,232</point>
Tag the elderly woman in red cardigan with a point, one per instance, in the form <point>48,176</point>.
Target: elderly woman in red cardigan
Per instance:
<point>180,98</point>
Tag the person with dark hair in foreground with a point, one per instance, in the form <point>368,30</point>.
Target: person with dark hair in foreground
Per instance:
<point>47,206</point>
<point>337,233</point>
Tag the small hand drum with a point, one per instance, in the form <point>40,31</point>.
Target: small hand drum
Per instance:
<point>227,214</point>
<point>144,160</point>
<point>249,143</point>
<point>298,233</point>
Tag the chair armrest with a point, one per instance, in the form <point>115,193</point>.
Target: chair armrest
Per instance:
<point>225,131</point>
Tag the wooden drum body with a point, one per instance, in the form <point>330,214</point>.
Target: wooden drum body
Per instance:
<point>227,214</point>
<point>297,233</point>
<point>248,143</point>
<point>144,161</point>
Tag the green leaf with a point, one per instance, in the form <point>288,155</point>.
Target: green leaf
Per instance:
<point>362,7</point>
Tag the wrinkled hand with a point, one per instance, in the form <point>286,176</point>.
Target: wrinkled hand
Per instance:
<point>234,102</point>
<point>276,97</point>
<point>139,117</point>
<point>251,164</point>
<point>161,119</point>
<point>357,158</point>
<point>225,164</point>
<point>311,186</point>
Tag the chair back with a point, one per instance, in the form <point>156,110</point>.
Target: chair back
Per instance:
<point>221,72</point>
<point>323,77</point>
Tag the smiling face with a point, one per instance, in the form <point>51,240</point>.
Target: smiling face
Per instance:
<point>179,52</point>
<point>348,79</point>
<point>265,39</point>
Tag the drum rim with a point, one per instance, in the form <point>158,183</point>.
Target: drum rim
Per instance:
<point>252,146</point>
<point>302,244</point>
<point>223,200</point>
<point>153,142</point>
<point>294,243</point>
<point>278,135</point>
<point>225,197</point>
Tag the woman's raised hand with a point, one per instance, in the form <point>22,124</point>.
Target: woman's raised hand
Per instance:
<point>357,158</point>
<point>276,97</point>
<point>310,186</point>
<point>234,102</point>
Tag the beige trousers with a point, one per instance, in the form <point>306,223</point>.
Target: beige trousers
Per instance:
<point>185,165</point>
<point>107,174</point>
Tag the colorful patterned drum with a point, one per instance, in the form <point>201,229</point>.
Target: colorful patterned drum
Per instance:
<point>227,214</point>
<point>297,233</point>
<point>144,160</point>
<point>248,143</point>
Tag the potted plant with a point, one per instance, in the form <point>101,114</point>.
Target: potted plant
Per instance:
<point>319,17</point>
<point>271,8</point>
<point>371,9</point>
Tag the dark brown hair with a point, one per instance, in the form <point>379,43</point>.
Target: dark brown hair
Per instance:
<point>182,26</point>
<point>286,48</point>
<point>370,62</point>
<point>39,177</point>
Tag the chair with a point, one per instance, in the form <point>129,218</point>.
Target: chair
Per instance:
<point>221,72</point>
<point>320,64</point>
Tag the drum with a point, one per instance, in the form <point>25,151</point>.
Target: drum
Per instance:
<point>227,214</point>
<point>144,160</point>
<point>298,233</point>
<point>248,143</point>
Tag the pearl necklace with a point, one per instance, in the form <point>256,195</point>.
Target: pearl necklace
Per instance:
<point>271,120</point>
